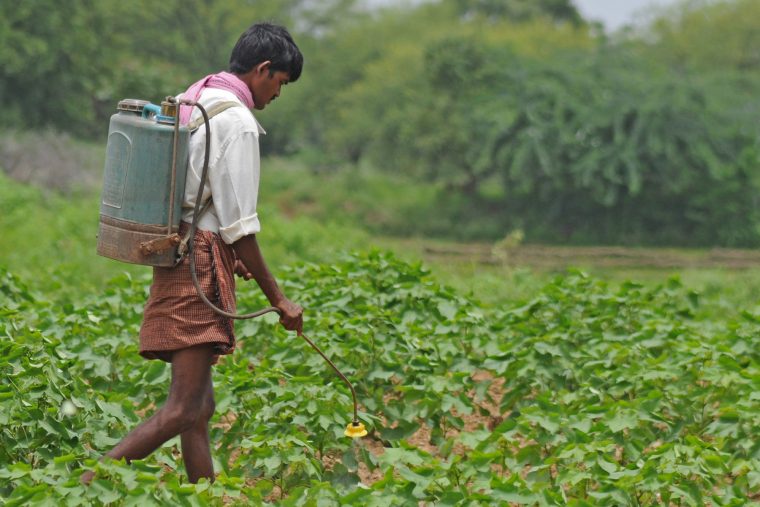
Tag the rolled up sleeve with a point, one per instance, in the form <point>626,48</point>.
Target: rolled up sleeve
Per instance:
<point>235,187</point>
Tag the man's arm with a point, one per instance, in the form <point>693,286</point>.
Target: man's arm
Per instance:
<point>247,250</point>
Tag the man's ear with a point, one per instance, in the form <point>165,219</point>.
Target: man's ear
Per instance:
<point>264,67</point>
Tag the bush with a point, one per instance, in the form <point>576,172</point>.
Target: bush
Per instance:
<point>51,160</point>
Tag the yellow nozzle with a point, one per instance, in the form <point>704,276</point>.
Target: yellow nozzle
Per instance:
<point>355,430</point>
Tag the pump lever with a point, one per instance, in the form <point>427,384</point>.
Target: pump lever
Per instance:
<point>160,245</point>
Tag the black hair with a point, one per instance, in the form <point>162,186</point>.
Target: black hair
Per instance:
<point>265,41</point>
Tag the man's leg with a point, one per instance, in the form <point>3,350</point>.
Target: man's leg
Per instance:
<point>191,379</point>
<point>196,449</point>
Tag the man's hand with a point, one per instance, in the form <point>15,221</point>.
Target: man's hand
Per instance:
<point>291,315</point>
<point>242,271</point>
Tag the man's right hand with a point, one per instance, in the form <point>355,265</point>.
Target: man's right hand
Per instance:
<point>291,315</point>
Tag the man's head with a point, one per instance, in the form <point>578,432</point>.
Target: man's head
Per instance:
<point>265,58</point>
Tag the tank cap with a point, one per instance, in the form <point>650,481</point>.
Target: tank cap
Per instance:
<point>132,105</point>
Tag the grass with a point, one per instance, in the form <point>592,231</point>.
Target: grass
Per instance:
<point>45,229</point>
<point>722,292</point>
<point>313,218</point>
<point>380,203</point>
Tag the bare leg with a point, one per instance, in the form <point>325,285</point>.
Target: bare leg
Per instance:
<point>196,449</point>
<point>191,381</point>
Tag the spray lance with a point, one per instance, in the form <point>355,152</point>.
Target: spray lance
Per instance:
<point>355,428</point>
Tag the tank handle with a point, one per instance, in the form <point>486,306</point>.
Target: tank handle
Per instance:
<point>151,108</point>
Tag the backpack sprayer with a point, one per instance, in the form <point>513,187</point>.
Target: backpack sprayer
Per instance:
<point>146,167</point>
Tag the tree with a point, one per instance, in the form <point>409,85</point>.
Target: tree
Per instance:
<point>520,10</point>
<point>54,61</point>
<point>706,36</point>
<point>66,65</point>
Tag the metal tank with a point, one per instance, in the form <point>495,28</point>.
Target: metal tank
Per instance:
<point>140,205</point>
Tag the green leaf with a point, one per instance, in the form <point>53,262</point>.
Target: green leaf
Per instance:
<point>397,455</point>
<point>606,465</point>
<point>66,458</point>
<point>349,460</point>
<point>447,309</point>
<point>622,420</point>
<point>272,463</point>
<point>402,431</point>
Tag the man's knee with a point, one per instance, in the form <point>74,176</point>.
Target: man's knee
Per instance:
<point>181,416</point>
<point>207,409</point>
<point>185,415</point>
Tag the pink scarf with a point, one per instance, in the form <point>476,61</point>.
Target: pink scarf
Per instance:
<point>222,81</point>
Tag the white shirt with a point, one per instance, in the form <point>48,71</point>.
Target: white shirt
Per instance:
<point>233,170</point>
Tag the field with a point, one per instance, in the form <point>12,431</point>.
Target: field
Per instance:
<point>484,377</point>
<point>478,204</point>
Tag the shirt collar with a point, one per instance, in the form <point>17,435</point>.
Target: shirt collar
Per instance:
<point>258,125</point>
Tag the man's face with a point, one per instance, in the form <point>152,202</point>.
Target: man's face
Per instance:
<point>265,87</point>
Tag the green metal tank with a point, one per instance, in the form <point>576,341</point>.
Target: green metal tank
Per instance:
<point>141,202</point>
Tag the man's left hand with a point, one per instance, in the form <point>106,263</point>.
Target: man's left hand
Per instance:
<point>242,271</point>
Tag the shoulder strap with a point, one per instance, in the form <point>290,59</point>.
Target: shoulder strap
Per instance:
<point>193,126</point>
<point>213,111</point>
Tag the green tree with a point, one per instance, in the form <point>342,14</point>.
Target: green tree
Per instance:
<point>520,10</point>
<point>54,61</point>
<point>66,65</point>
<point>607,149</point>
<point>706,36</point>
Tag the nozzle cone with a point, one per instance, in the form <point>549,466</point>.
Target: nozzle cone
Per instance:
<point>355,430</point>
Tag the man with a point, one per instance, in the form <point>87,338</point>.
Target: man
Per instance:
<point>178,327</point>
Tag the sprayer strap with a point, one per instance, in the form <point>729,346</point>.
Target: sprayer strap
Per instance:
<point>213,111</point>
<point>193,126</point>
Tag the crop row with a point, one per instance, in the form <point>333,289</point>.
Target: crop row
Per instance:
<point>585,395</point>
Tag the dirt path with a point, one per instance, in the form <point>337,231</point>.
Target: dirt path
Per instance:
<point>544,256</point>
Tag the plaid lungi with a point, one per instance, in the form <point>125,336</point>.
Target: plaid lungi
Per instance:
<point>176,317</point>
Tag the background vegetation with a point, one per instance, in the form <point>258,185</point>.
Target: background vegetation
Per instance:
<point>516,114</point>
<point>496,120</point>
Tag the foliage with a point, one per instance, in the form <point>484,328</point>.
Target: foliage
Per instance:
<point>568,140</point>
<point>516,114</point>
<point>519,10</point>
<point>53,61</point>
<point>582,395</point>
<point>592,150</point>
<point>685,36</point>
<point>66,66</point>
<point>50,238</point>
